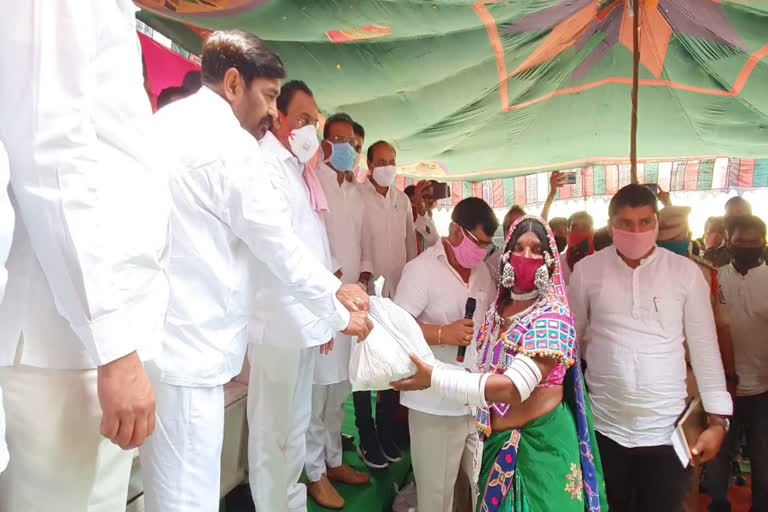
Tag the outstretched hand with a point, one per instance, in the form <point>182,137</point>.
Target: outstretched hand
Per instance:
<point>422,379</point>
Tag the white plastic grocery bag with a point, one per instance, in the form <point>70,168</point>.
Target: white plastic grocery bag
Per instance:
<point>383,356</point>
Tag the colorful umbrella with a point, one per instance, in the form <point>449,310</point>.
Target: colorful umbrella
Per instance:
<point>471,90</point>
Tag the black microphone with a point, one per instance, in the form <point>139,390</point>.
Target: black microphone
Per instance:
<point>469,312</point>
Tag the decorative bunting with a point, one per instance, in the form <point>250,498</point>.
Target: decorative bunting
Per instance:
<point>716,175</point>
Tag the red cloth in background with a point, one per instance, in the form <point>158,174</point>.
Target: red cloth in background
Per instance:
<point>165,68</point>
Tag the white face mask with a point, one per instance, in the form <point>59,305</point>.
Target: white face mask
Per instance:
<point>385,175</point>
<point>304,143</point>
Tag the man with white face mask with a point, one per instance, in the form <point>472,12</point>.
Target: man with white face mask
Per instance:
<point>390,237</point>
<point>284,335</point>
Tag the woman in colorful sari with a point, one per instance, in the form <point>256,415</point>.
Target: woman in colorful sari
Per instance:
<point>538,452</point>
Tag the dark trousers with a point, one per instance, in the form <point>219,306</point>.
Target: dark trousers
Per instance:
<point>386,404</point>
<point>750,415</point>
<point>649,478</point>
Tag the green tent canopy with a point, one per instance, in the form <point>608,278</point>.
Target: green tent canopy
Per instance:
<point>473,90</point>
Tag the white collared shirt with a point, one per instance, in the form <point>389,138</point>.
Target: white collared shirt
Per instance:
<point>86,280</point>
<point>434,293</point>
<point>425,226</point>
<point>632,325</point>
<point>344,223</point>
<point>278,318</point>
<point>226,213</point>
<point>746,300</point>
<point>389,233</point>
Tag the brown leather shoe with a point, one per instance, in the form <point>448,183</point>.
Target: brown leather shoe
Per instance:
<point>346,475</point>
<point>325,495</point>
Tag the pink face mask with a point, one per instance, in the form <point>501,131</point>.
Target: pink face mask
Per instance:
<point>468,253</point>
<point>634,245</point>
<point>525,272</point>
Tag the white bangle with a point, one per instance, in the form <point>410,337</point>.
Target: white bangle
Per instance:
<point>524,374</point>
<point>460,386</point>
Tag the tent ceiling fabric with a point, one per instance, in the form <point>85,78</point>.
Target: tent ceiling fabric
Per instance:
<point>472,90</point>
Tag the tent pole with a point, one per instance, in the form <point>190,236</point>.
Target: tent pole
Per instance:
<point>635,87</point>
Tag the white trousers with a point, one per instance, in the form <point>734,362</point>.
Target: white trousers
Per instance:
<point>58,458</point>
<point>279,408</point>
<point>442,454</point>
<point>324,434</point>
<point>181,462</point>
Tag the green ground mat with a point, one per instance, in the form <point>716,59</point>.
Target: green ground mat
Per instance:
<point>379,495</point>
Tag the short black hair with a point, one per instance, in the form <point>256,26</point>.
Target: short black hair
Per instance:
<point>747,223</point>
<point>166,96</point>
<point>558,222</point>
<point>515,210</point>
<point>581,215</point>
<point>193,81</point>
<point>225,49</point>
<point>376,144</point>
<point>341,117</point>
<point>633,196</point>
<point>410,190</point>
<point>359,130</point>
<point>602,239</point>
<point>288,91</point>
<point>738,201</point>
<point>472,212</point>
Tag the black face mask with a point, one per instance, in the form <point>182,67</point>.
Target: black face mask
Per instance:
<point>747,257</point>
<point>562,243</point>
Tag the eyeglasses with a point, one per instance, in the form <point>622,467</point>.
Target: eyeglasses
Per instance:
<point>304,121</point>
<point>482,245</point>
<point>341,140</point>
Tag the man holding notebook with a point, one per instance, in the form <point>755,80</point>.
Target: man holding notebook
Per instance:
<point>636,307</point>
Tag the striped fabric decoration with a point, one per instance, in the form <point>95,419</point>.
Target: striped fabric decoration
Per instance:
<point>721,174</point>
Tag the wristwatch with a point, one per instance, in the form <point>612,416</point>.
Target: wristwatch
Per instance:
<point>720,421</point>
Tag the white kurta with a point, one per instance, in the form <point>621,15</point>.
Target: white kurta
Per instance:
<point>6,234</point>
<point>86,283</point>
<point>229,231</point>
<point>632,325</point>
<point>284,336</point>
<point>344,223</point>
<point>389,234</point>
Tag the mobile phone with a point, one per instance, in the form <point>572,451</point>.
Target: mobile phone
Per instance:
<point>653,187</point>
<point>440,190</point>
<point>569,178</point>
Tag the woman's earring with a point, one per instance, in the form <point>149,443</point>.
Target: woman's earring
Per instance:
<point>541,280</point>
<point>508,273</point>
<point>548,259</point>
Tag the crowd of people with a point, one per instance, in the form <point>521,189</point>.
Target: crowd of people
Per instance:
<point>153,256</point>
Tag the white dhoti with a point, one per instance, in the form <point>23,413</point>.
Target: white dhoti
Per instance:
<point>58,458</point>
<point>442,454</point>
<point>181,461</point>
<point>279,408</point>
<point>324,435</point>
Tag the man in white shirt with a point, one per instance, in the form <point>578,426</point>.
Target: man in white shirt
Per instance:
<point>87,291</point>
<point>743,285</point>
<point>424,225</point>
<point>6,235</point>
<point>435,288</point>
<point>391,239</point>
<point>634,306</point>
<point>284,334</point>
<point>344,223</point>
<point>229,235</point>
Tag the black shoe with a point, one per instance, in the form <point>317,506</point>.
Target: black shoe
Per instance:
<point>390,450</point>
<point>371,455</point>
<point>347,443</point>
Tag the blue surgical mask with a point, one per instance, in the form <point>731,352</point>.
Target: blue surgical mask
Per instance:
<point>343,156</point>
<point>680,247</point>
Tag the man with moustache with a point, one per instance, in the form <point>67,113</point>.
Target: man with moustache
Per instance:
<point>228,236</point>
